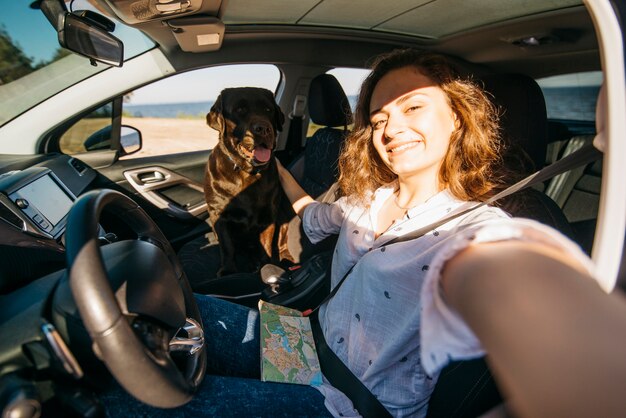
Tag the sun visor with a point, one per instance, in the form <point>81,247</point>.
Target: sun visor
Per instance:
<point>140,11</point>
<point>198,33</point>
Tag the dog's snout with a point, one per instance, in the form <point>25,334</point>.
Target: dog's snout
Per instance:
<point>262,128</point>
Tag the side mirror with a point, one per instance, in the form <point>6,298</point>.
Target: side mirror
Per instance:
<point>130,140</point>
<point>89,37</point>
<point>99,140</point>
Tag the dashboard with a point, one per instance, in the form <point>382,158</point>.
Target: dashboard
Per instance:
<point>37,200</point>
<point>34,205</point>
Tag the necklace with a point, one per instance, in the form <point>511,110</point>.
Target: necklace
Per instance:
<point>395,202</point>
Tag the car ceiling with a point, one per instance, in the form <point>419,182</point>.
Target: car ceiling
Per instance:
<point>500,34</point>
<point>420,18</point>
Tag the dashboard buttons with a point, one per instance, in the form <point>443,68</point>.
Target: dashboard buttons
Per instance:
<point>21,203</point>
<point>41,221</point>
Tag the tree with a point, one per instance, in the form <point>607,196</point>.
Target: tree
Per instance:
<point>60,53</point>
<point>13,63</point>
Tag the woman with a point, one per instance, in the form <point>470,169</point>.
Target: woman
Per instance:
<point>425,144</point>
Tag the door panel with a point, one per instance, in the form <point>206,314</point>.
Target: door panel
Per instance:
<point>169,188</point>
<point>177,195</point>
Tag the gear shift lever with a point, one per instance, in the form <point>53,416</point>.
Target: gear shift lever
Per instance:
<point>274,275</point>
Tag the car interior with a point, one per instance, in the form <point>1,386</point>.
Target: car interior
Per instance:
<point>112,227</point>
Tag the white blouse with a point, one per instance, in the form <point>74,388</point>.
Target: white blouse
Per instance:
<point>388,322</point>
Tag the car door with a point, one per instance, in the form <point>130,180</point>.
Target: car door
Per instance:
<point>153,143</point>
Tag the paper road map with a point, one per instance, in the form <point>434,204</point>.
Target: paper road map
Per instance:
<point>288,352</point>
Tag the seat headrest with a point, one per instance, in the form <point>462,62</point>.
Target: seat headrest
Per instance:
<point>523,120</point>
<point>328,104</point>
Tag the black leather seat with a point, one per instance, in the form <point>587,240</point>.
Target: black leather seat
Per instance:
<point>316,167</point>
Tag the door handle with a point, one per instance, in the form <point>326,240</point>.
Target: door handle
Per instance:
<point>153,177</point>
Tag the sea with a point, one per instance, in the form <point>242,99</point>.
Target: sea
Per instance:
<point>561,103</point>
<point>168,110</point>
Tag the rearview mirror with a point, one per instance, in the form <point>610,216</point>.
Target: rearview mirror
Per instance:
<point>83,36</point>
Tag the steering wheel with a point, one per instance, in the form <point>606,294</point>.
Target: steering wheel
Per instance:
<point>136,302</point>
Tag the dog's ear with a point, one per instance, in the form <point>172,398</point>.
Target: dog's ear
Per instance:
<point>279,118</point>
<point>214,118</point>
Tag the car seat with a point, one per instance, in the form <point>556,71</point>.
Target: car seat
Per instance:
<point>524,130</point>
<point>315,168</point>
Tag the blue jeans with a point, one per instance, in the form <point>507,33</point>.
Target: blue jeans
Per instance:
<point>232,385</point>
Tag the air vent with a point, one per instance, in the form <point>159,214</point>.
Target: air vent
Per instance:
<point>78,165</point>
<point>11,218</point>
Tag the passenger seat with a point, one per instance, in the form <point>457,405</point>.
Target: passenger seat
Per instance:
<point>316,168</point>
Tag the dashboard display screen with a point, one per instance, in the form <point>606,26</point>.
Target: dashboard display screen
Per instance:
<point>48,198</point>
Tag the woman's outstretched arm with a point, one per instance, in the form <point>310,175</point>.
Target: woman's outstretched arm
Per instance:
<point>297,196</point>
<point>555,340</point>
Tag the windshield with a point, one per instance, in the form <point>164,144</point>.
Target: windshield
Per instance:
<point>34,67</point>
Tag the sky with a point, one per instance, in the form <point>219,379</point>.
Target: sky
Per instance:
<point>32,32</point>
<point>29,28</point>
<point>206,84</point>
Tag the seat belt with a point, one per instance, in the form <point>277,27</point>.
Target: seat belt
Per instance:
<point>333,368</point>
<point>578,158</point>
<point>294,136</point>
<point>343,379</point>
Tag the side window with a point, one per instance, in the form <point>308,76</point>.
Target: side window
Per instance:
<point>572,97</point>
<point>90,133</point>
<point>171,113</point>
<point>571,108</point>
<point>350,80</point>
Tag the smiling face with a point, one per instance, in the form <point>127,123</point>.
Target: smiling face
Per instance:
<point>411,123</point>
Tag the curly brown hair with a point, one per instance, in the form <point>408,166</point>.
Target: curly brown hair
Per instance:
<point>469,167</point>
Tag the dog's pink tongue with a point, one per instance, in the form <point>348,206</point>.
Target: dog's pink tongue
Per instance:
<point>262,154</point>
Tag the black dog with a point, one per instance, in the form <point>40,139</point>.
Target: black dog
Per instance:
<point>248,209</point>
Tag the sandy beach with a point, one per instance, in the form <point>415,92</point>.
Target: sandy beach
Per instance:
<point>167,136</point>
